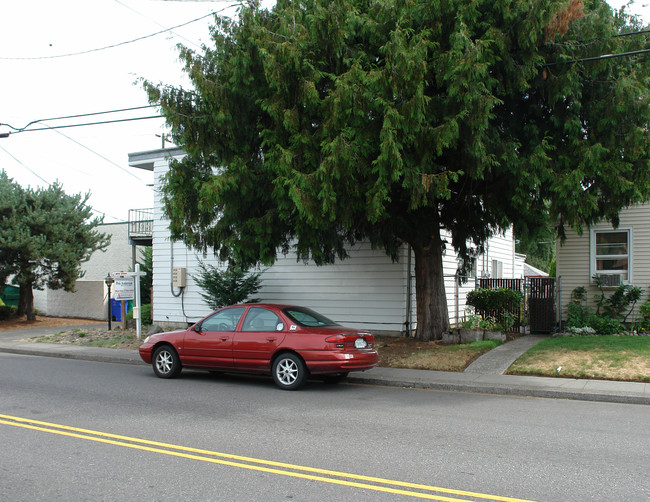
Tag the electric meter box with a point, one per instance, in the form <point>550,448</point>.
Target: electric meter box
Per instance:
<point>179,277</point>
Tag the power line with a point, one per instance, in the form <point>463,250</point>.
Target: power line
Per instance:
<point>20,129</point>
<point>630,33</point>
<point>50,184</point>
<point>155,22</point>
<point>112,46</point>
<point>85,124</point>
<point>598,58</point>
<point>99,155</point>
<point>35,174</point>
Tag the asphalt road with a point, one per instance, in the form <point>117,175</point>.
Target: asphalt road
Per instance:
<point>81,430</point>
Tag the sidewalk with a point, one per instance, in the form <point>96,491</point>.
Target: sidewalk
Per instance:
<point>485,375</point>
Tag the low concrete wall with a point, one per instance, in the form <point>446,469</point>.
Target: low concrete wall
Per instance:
<point>88,301</point>
<point>464,335</point>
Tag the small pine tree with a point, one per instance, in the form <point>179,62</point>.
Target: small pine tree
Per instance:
<point>222,287</point>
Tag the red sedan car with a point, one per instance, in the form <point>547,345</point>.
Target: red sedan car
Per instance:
<point>288,342</point>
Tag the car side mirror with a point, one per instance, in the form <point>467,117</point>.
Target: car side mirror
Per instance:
<point>197,327</point>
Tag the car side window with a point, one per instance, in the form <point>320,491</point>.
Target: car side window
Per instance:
<point>224,320</point>
<point>260,319</point>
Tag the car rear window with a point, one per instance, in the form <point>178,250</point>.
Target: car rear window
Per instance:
<point>307,318</point>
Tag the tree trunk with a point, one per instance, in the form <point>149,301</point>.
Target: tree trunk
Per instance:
<point>26,302</point>
<point>22,301</point>
<point>431,300</point>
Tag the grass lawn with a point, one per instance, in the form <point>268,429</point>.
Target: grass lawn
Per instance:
<point>401,352</point>
<point>602,357</point>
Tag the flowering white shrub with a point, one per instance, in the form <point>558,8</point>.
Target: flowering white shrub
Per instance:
<point>584,331</point>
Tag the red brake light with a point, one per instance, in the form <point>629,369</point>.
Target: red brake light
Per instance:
<point>339,340</point>
<point>352,340</point>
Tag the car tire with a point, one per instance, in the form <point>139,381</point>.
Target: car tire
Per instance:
<point>165,362</point>
<point>335,378</point>
<point>289,371</point>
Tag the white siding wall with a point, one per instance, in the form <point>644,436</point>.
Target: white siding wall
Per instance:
<point>573,257</point>
<point>499,247</point>
<point>366,290</point>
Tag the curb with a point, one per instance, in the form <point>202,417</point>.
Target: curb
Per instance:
<point>467,382</point>
<point>510,390</point>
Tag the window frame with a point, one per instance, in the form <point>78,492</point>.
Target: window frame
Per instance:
<point>210,320</point>
<point>593,257</point>
<point>253,314</point>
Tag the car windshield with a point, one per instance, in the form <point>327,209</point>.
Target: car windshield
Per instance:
<point>307,317</point>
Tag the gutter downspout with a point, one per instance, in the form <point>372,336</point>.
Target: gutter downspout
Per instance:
<point>407,323</point>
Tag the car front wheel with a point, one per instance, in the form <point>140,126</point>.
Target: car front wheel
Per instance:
<point>165,362</point>
<point>289,371</point>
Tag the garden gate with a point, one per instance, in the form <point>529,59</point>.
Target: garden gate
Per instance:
<point>539,300</point>
<point>541,304</point>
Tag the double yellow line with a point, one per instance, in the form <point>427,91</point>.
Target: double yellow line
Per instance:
<point>268,466</point>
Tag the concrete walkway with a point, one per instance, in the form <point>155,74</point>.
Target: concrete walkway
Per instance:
<point>498,360</point>
<point>485,375</point>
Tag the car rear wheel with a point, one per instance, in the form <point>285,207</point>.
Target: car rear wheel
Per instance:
<point>165,362</point>
<point>289,371</point>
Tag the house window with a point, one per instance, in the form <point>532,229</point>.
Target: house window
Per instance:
<point>497,269</point>
<point>611,256</point>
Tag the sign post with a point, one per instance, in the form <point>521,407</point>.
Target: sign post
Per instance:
<point>124,291</point>
<point>131,291</point>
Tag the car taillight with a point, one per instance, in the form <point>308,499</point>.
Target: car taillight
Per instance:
<point>338,340</point>
<point>351,341</point>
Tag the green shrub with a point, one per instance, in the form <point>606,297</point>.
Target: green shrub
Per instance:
<point>7,312</point>
<point>485,300</point>
<point>620,300</point>
<point>470,322</point>
<point>490,324</point>
<point>227,287</point>
<point>605,325</point>
<point>644,310</point>
<point>579,294</point>
<point>577,315</point>
<point>145,314</point>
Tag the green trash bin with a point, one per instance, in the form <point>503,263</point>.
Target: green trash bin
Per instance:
<point>10,295</point>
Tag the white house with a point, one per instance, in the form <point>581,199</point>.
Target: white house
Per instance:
<point>366,290</point>
<point>618,255</point>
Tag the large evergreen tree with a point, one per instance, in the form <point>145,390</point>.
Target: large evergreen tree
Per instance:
<point>45,235</point>
<point>322,122</point>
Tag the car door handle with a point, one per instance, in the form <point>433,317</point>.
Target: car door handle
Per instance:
<point>271,338</point>
<point>225,338</point>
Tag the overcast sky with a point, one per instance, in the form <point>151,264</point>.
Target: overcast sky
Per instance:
<point>36,83</point>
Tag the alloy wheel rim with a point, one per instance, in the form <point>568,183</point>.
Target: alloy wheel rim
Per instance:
<point>287,371</point>
<point>164,362</point>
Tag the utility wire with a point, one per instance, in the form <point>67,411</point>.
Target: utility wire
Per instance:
<point>35,174</point>
<point>50,184</point>
<point>47,128</point>
<point>20,129</point>
<point>98,154</point>
<point>598,58</point>
<point>643,32</point>
<point>112,46</point>
<point>155,22</point>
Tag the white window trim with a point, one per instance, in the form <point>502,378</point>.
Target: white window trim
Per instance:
<point>592,251</point>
